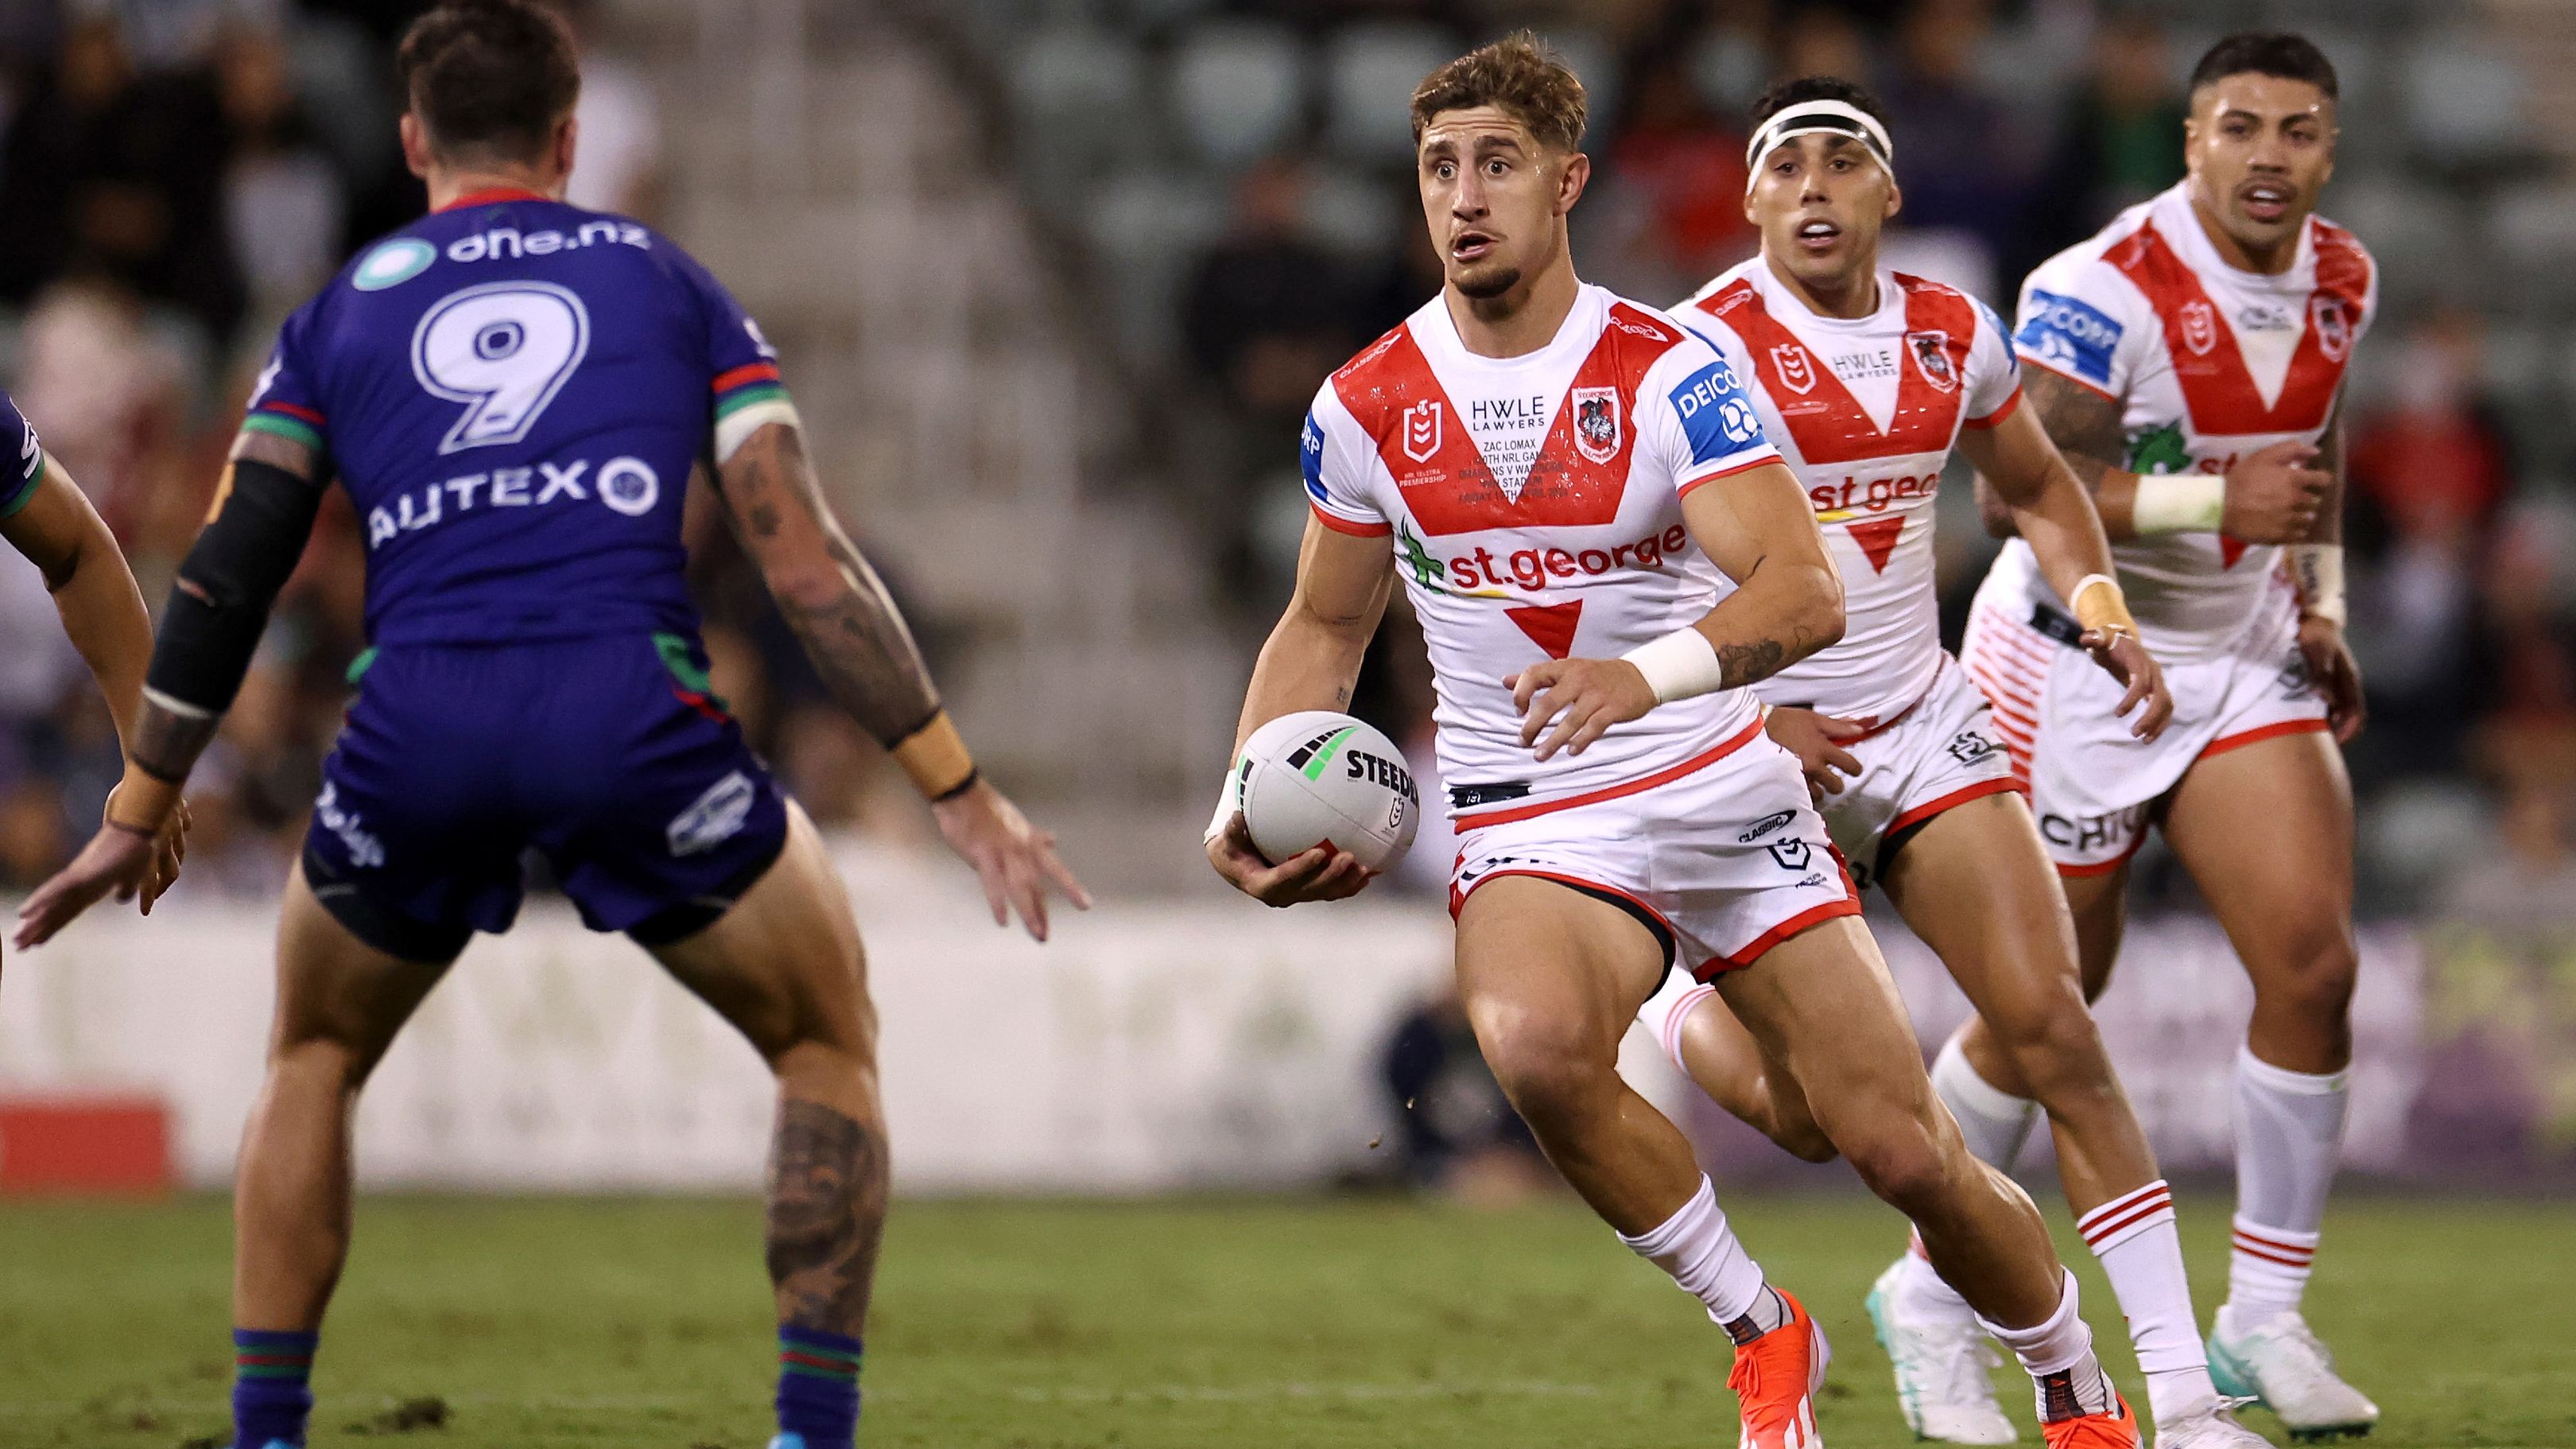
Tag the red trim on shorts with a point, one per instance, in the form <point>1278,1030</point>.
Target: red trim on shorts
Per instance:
<point>2081,872</point>
<point>1458,898</point>
<point>1954,799</point>
<point>1813,915</point>
<point>1686,489</point>
<point>1345,525</point>
<point>1664,776</point>
<point>2260,733</point>
<point>1999,414</point>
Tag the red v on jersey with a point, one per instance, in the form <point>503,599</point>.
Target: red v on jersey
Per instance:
<point>2216,386</point>
<point>1550,626</point>
<point>1825,421</point>
<point>1877,539</point>
<point>1392,392</point>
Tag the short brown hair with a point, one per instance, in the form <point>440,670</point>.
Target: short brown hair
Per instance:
<point>489,76</point>
<point>1517,74</point>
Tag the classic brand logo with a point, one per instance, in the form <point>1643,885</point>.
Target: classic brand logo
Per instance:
<point>1596,423</point>
<point>2199,327</point>
<point>1797,373</point>
<point>1422,430</point>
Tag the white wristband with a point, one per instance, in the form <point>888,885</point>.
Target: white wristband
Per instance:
<point>1679,665</point>
<point>2075,600</point>
<point>2179,503</point>
<point>1228,800</point>
<point>2318,569</point>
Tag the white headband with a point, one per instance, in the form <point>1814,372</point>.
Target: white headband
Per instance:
<point>1807,118</point>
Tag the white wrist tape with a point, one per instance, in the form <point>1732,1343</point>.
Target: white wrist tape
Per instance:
<point>2179,503</point>
<point>1679,665</point>
<point>2318,568</point>
<point>735,428</point>
<point>1228,801</point>
<point>2075,600</point>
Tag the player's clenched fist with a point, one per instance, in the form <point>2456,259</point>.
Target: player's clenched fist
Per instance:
<point>1583,698</point>
<point>2273,495</point>
<point>1320,874</point>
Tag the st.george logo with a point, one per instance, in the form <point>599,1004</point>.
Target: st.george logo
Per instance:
<point>2333,322</point>
<point>1932,359</point>
<point>1422,430</point>
<point>1596,423</point>
<point>1797,371</point>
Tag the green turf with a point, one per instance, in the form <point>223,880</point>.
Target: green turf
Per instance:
<point>1148,1326</point>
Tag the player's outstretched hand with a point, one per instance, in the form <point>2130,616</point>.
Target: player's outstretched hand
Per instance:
<point>1320,874</point>
<point>1817,740</point>
<point>1014,859</point>
<point>2120,653</point>
<point>2273,495</point>
<point>1583,698</point>
<point>2331,666</point>
<point>116,859</point>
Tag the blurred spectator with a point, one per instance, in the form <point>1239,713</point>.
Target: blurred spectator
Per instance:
<point>112,389</point>
<point>2119,141</point>
<point>283,200</point>
<point>2532,877</point>
<point>1268,312</point>
<point>1459,1134</point>
<point>115,171</point>
<point>1823,40</point>
<point>1683,170</point>
<point>1961,159</point>
<point>617,157</point>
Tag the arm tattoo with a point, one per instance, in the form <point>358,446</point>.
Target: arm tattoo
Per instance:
<point>839,609</point>
<point>1742,664</point>
<point>2084,424</point>
<point>828,1181</point>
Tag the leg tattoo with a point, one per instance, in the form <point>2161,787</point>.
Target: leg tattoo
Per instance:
<point>827,1206</point>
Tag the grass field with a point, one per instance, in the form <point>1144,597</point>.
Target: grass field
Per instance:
<point>530,1323</point>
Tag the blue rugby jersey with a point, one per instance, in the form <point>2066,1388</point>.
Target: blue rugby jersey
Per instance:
<point>512,390</point>
<point>18,480</point>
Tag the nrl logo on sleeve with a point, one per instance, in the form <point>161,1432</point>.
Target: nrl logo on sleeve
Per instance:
<point>1797,373</point>
<point>1932,359</point>
<point>2199,328</point>
<point>1596,423</point>
<point>1422,430</point>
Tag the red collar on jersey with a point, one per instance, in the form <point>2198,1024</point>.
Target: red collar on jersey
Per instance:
<point>491,194</point>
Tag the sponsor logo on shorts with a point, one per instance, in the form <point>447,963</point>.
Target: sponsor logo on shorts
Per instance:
<point>2093,832</point>
<point>1792,855</point>
<point>1766,825</point>
<point>714,817</point>
<point>1968,747</point>
<point>363,847</point>
<point>2295,679</point>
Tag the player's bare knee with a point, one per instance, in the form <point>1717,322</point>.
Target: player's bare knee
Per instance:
<point>1901,1162</point>
<point>2056,1048</point>
<point>1805,1141</point>
<point>319,1064</point>
<point>1547,1070</point>
<point>2309,975</point>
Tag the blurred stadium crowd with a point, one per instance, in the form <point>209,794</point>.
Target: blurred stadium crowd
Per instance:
<point>1229,181</point>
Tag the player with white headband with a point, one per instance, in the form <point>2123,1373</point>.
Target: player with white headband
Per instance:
<point>1867,379</point>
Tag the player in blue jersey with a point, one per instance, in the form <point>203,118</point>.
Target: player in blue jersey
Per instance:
<point>48,519</point>
<point>514,393</point>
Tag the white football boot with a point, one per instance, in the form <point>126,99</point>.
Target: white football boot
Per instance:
<point>2214,1427</point>
<point>2281,1365</point>
<point>1941,1371</point>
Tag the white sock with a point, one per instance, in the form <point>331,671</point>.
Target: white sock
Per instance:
<point>1995,1122</point>
<point>1663,1012</point>
<point>2289,1130</point>
<point>2058,1355</point>
<point>2133,1234</point>
<point>1701,1252</point>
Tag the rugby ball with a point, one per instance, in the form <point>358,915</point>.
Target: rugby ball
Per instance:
<point>1319,777</point>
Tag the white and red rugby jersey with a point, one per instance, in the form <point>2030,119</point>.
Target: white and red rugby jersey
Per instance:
<point>2208,364</point>
<point>1866,410</point>
<point>1535,504</point>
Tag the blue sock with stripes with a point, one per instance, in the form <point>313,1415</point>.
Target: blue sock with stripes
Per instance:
<point>818,1387</point>
<point>271,1397</point>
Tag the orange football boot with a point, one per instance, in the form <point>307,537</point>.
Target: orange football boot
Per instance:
<point>2095,1431</point>
<point>1777,1375</point>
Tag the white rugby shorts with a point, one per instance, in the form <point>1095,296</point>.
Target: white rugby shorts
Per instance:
<point>1721,863</point>
<point>2094,787</point>
<point>1941,751</point>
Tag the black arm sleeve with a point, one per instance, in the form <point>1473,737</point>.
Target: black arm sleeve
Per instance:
<point>219,605</point>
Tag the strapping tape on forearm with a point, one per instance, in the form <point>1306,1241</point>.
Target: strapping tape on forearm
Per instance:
<point>1678,665</point>
<point>936,758</point>
<point>2178,503</point>
<point>2318,567</point>
<point>219,604</point>
<point>735,428</point>
<point>2099,604</point>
